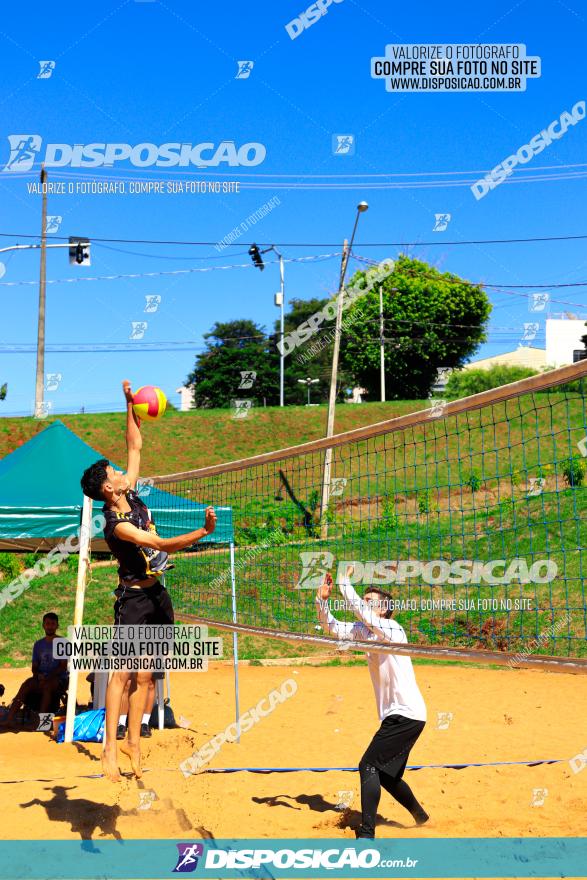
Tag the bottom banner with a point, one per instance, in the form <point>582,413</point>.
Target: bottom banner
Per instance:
<point>130,859</point>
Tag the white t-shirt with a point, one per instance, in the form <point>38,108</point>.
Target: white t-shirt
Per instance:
<point>394,682</point>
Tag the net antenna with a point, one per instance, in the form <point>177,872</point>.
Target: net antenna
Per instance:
<point>469,512</point>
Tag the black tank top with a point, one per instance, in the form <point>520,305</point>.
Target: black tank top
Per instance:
<point>136,563</point>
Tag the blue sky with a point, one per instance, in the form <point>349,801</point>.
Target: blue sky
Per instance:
<point>159,72</point>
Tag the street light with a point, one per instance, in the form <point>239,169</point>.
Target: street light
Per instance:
<point>308,382</point>
<point>256,256</point>
<point>361,208</point>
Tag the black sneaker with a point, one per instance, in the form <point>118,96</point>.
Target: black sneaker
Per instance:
<point>120,731</point>
<point>145,730</point>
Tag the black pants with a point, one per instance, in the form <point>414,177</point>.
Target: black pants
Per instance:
<point>383,764</point>
<point>146,605</point>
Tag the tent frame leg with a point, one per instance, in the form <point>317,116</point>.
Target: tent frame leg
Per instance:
<point>235,643</point>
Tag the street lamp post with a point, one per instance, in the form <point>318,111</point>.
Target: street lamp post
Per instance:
<point>347,250</point>
<point>308,382</point>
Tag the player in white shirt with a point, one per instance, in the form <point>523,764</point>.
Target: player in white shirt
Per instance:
<point>400,704</point>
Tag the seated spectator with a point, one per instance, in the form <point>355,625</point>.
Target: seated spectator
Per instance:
<point>49,680</point>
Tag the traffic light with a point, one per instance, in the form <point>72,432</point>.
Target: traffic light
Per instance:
<point>256,257</point>
<point>79,251</point>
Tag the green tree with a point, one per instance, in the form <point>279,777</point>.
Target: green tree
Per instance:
<point>432,319</point>
<point>312,359</point>
<point>463,383</point>
<point>3,391</point>
<point>234,347</point>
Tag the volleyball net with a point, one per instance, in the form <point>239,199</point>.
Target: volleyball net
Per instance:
<point>471,514</point>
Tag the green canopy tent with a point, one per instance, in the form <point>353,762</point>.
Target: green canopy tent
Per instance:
<point>41,499</point>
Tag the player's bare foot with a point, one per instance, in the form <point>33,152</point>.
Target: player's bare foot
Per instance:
<point>110,767</point>
<point>134,753</point>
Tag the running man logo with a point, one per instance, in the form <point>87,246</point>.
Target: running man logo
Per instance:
<point>138,329</point>
<point>247,379</point>
<point>337,485</point>
<point>443,720</point>
<point>144,487</point>
<point>45,721</point>
<point>345,799</point>
<point>315,565</point>
<point>441,222</point>
<point>536,487</point>
<point>244,69</point>
<point>23,150</point>
<point>52,381</point>
<point>530,330</point>
<point>46,69</point>
<point>53,223</point>
<point>146,799</point>
<point>538,301</point>
<point>152,302</point>
<point>343,144</point>
<point>187,859</point>
<point>241,408</point>
<point>582,447</point>
<point>578,762</point>
<point>437,408</point>
<point>539,795</point>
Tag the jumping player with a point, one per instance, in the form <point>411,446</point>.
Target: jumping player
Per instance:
<point>141,598</point>
<point>401,707</point>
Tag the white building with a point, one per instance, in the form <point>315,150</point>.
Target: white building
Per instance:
<point>186,398</point>
<point>523,356</point>
<point>563,340</point>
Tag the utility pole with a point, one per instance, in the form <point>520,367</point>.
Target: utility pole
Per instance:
<point>381,343</point>
<point>346,252</point>
<point>40,378</point>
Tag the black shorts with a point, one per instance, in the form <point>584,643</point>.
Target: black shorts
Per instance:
<point>145,605</point>
<point>391,745</point>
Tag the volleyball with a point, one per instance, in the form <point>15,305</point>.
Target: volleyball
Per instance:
<point>149,403</point>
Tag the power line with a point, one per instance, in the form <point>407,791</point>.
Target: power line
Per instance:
<point>442,242</point>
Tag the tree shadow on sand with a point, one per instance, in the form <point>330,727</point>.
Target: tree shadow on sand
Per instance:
<point>347,818</point>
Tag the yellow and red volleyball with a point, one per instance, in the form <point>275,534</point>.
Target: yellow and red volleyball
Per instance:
<point>149,403</point>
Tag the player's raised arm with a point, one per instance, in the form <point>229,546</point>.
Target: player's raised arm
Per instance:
<point>127,532</point>
<point>329,623</point>
<point>385,629</point>
<point>134,440</point>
